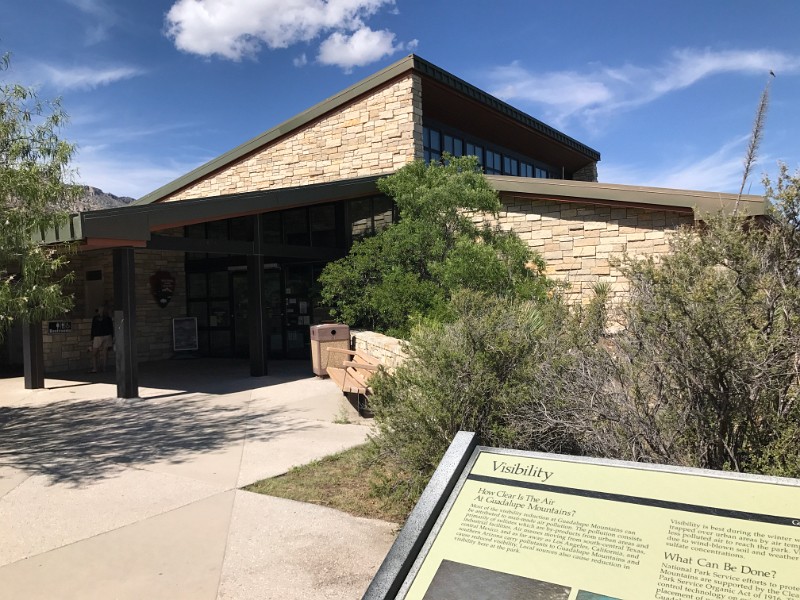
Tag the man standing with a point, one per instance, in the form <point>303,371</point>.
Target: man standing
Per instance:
<point>102,337</point>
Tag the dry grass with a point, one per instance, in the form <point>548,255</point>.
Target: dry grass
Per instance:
<point>344,481</point>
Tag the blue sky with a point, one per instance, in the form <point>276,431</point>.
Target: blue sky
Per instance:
<point>666,91</point>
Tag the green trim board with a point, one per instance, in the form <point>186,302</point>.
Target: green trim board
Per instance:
<point>552,527</point>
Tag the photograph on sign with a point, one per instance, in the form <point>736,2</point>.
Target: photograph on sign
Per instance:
<point>548,527</point>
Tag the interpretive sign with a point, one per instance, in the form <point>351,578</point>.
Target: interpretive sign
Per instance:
<point>548,527</point>
<point>184,333</point>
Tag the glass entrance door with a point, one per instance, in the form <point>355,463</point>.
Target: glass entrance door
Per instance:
<point>273,312</point>
<point>298,306</point>
<point>239,308</point>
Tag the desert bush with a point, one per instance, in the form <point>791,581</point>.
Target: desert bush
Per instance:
<point>469,374</point>
<point>705,372</point>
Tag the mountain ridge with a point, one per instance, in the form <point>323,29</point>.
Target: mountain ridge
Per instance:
<point>94,198</point>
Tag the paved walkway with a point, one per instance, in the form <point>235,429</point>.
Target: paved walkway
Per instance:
<point>102,498</point>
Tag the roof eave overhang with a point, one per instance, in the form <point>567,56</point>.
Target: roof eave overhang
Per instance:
<point>133,225</point>
<point>699,203</point>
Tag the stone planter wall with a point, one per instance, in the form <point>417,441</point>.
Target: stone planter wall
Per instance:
<point>387,349</point>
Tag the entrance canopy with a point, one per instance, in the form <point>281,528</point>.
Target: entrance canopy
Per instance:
<point>136,226</point>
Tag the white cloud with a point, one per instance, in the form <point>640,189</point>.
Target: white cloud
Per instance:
<point>361,48</point>
<point>125,175</point>
<point>412,45</point>
<point>235,30</point>
<point>83,78</point>
<point>720,171</point>
<point>604,90</point>
<point>300,61</point>
<point>104,17</point>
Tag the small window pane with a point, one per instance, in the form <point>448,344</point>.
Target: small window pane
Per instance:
<point>241,229</point>
<point>196,231</point>
<point>383,210</point>
<point>219,314</point>
<point>295,227</point>
<point>426,137</point>
<point>473,150</point>
<point>526,170</point>
<point>458,147</point>
<point>196,285</point>
<point>436,141</point>
<point>298,283</point>
<point>448,143</point>
<point>360,218</point>
<point>217,230</point>
<point>271,228</point>
<point>199,310</point>
<point>323,226</point>
<point>492,162</point>
<point>510,166</point>
<point>218,284</point>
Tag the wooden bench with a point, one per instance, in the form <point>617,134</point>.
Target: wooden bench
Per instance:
<point>354,374</point>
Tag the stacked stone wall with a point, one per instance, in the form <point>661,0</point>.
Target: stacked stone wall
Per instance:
<point>69,351</point>
<point>388,350</point>
<point>587,173</point>
<point>374,135</point>
<point>577,241</point>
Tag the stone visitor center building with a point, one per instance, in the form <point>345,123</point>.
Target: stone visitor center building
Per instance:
<point>239,242</point>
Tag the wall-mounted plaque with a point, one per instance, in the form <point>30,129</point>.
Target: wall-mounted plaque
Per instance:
<point>550,527</point>
<point>59,326</point>
<point>184,333</point>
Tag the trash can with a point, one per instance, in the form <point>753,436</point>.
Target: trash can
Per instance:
<point>324,337</point>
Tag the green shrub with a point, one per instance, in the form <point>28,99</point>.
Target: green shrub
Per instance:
<point>466,375</point>
<point>410,270</point>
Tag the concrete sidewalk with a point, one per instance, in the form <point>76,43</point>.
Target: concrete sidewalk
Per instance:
<point>101,498</point>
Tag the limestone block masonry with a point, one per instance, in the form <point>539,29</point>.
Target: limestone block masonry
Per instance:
<point>577,240</point>
<point>388,350</point>
<point>374,135</point>
<point>69,351</point>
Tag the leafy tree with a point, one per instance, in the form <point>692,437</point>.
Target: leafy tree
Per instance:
<point>411,269</point>
<point>34,195</point>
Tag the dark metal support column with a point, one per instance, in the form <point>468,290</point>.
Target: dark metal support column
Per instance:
<point>257,324</point>
<point>125,323</point>
<point>33,355</point>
